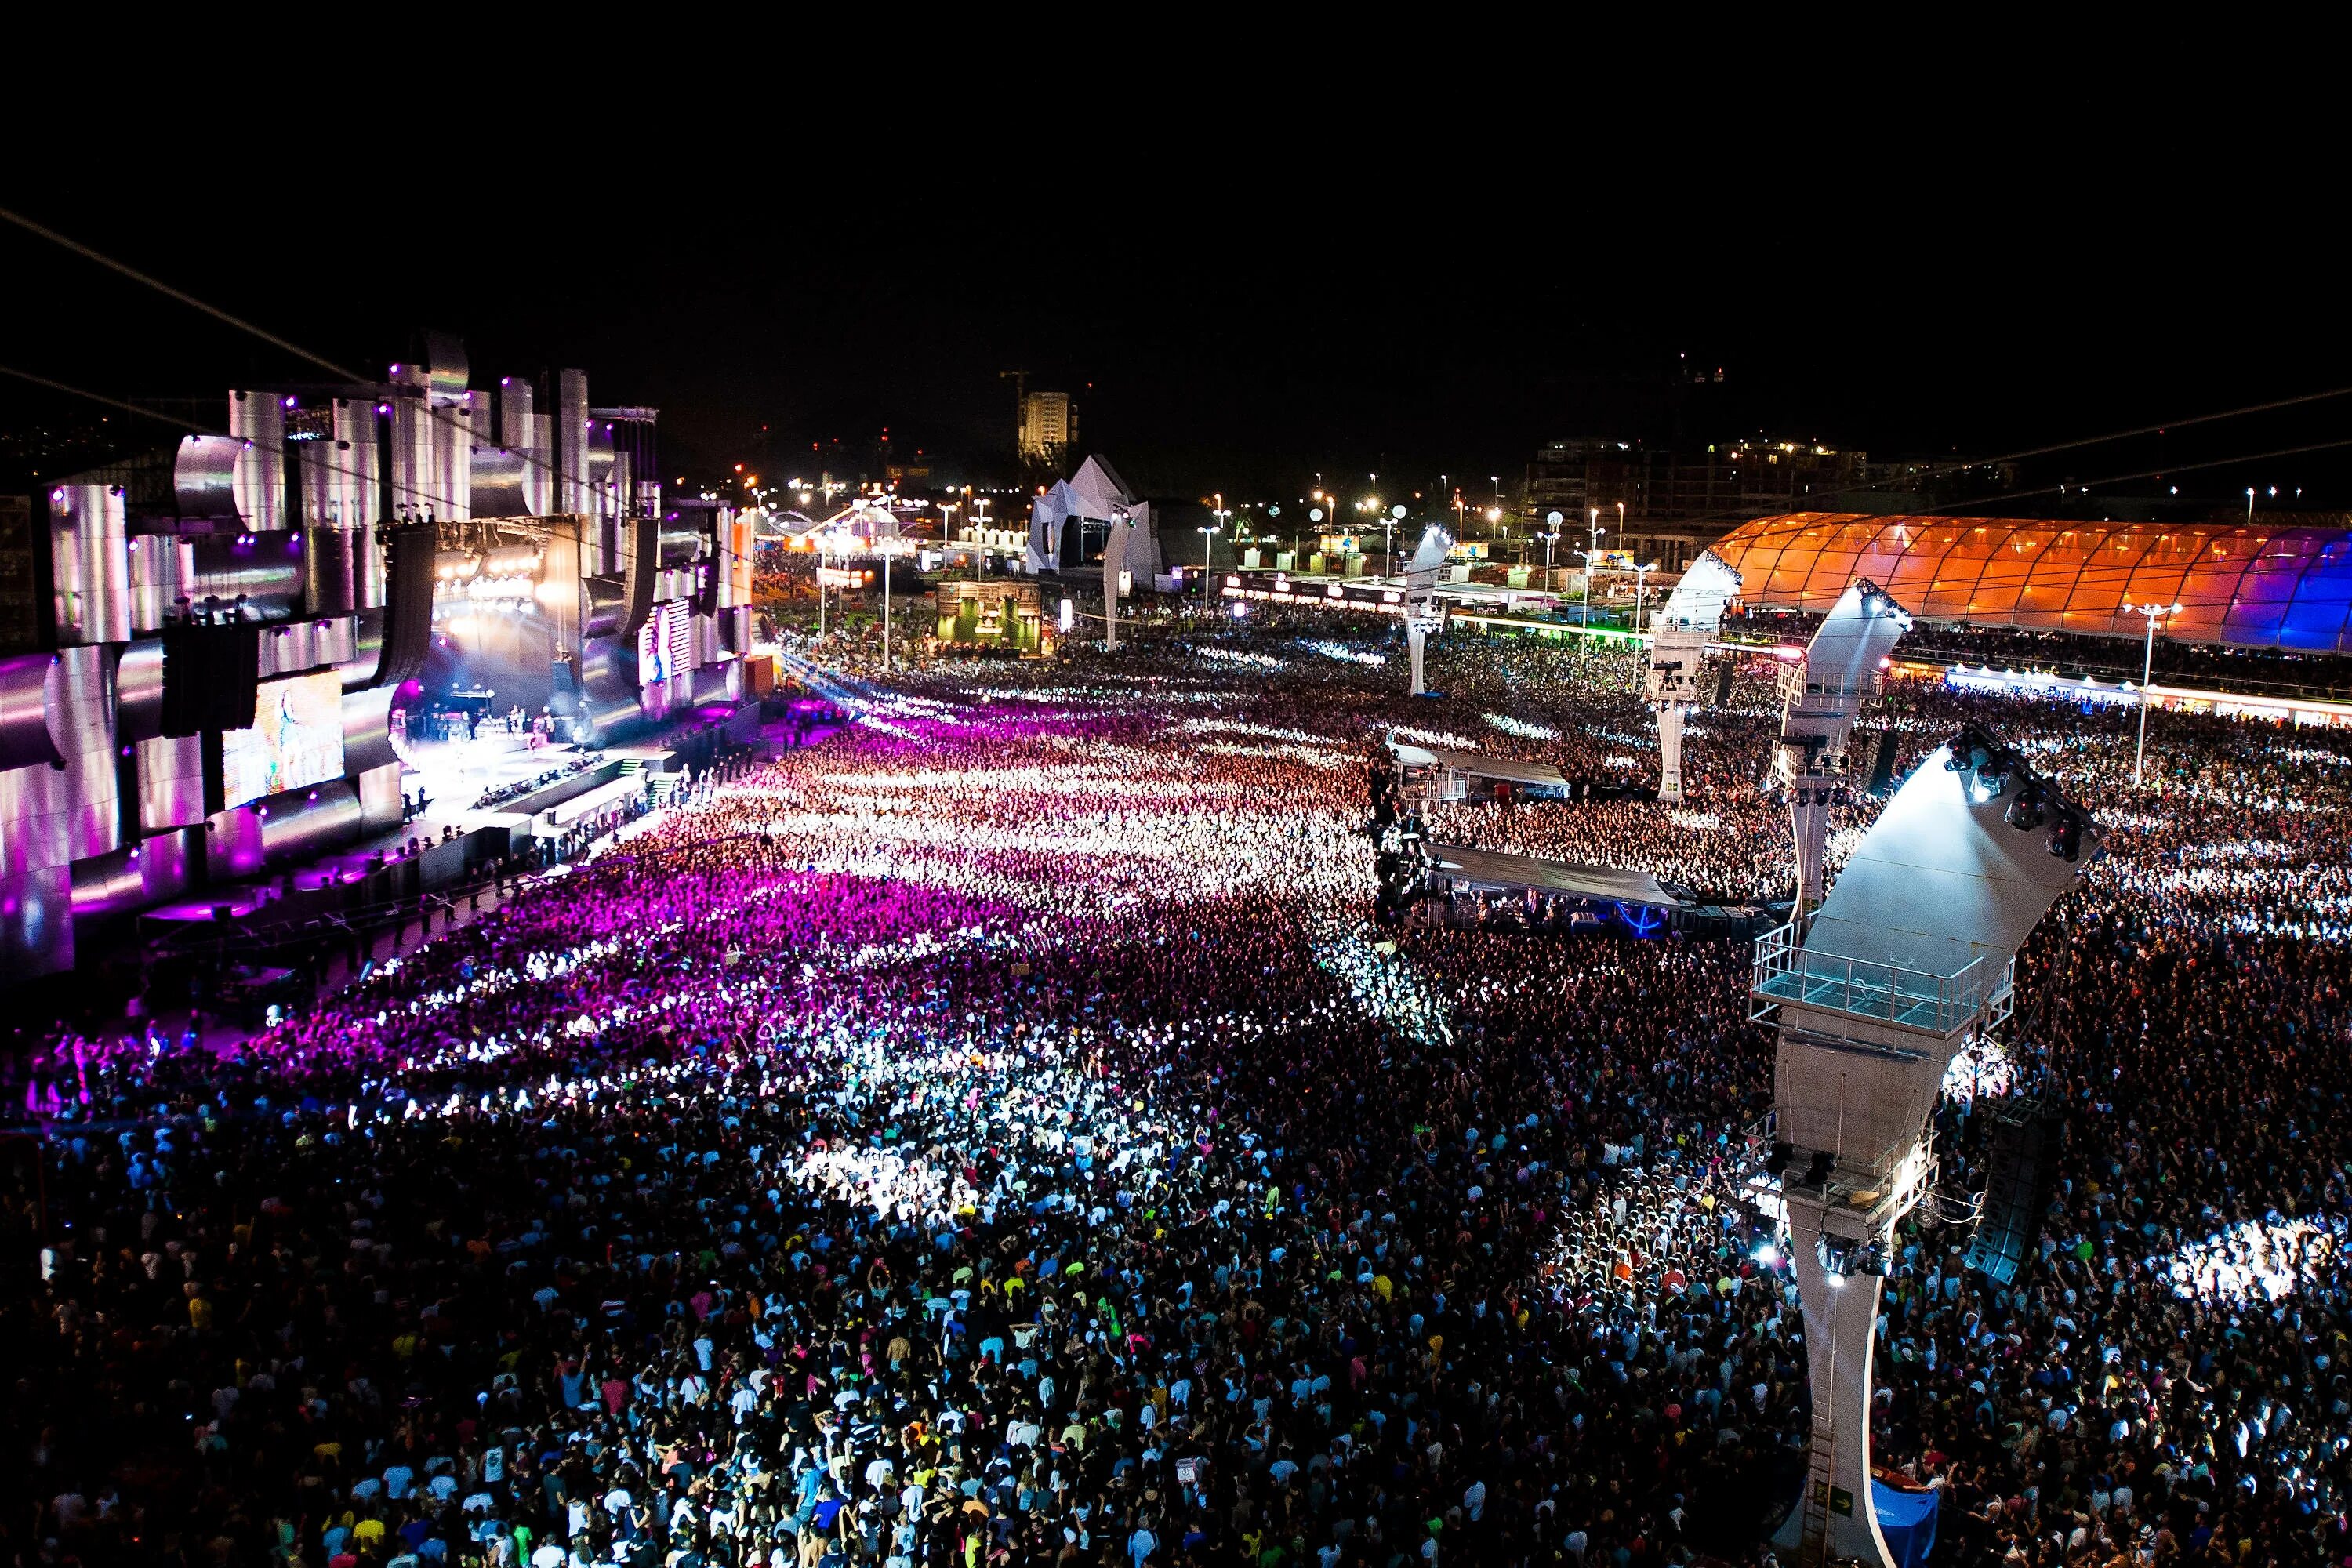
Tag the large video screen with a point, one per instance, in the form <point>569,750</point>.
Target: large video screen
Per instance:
<point>297,739</point>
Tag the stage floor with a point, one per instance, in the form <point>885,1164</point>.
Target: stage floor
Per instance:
<point>455,773</point>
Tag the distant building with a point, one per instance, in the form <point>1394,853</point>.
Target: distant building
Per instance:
<point>1677,502</point>
<point>1049,428</point>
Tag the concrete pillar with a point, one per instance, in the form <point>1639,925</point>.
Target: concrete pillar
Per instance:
<point>1670,752</point>
<point>1833,1521</point>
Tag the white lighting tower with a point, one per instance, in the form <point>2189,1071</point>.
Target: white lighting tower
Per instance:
<point>1818,700</point>
<point>1681,630</point>
<point>1910,960</point>
<point>1422,615</point>
<point>1113,565</point>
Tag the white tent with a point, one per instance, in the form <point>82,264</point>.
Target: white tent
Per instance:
<point>1094,494</point>
<point>1098,485</point>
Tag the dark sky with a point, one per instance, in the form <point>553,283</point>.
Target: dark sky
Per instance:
<point>1245,350</point>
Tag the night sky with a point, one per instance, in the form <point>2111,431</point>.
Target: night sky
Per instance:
<point>1247,353</point>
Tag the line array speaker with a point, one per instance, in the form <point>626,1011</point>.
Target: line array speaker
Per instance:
<point>210,676</point>
<point>408,601</point>
<point>2016,1189</point>
<point>1871,758</point>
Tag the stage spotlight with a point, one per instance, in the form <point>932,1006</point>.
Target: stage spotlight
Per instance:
<point>2025,813</point>
<point>1776,1160</point>
<point>1817,1174</point>
<point>2066,838</point>
<point>1968,757</point>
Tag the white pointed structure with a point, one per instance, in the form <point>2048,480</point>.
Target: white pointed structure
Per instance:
<point>1684,626</point>
<point>1910,960</point>
<point>1422,615</point>
<point>1071,520</point>
<point>1114,567</point>
<point>1818,700</point>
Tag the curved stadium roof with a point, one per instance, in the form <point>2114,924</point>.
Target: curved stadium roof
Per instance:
<point>2282,583</point>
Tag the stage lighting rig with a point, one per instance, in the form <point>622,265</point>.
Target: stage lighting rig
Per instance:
<point>1844,664</point>
<point>1679,635</point>
<point>1910,961</point>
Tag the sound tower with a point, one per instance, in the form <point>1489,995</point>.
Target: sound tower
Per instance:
<point>210,678</point>
<point>1873,754</point>
<point>1723,675</point>
<point>408,601</point>
<point>2016,1188</point>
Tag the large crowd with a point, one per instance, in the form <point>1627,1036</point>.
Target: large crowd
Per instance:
<point>997,1133</point>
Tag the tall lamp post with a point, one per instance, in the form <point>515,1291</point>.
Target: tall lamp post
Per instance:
<point>1641,575</point>
<point>887,548</point>
<point>822,541</point>
<point>1593,530</point>
<point>2154,613</point>
<point>1208,541</point>
<point>845,544</point>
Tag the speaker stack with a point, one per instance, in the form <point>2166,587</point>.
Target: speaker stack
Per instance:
<point>210,677</point>
<point>2016,1189</point>
<point>410,549</point>
<point>1872,759</point>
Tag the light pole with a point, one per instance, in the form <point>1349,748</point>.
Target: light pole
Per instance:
<point>819,588</point>
<point>841,542</point>
<point>2154,613</point>
<point>2250,513</point>
<point>1641,573</point>
<point>1208,540</point>
<point>886,548</point>
<point>1593,530</point>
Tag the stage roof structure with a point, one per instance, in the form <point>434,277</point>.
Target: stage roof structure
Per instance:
<point>1524,873</point>
<point>1479,765</point>
<point>2283,581</point>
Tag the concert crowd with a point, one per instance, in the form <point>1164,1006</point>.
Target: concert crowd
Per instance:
<point>997,1133</point>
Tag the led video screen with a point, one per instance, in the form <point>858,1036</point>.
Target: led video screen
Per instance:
<point>297,739</point>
